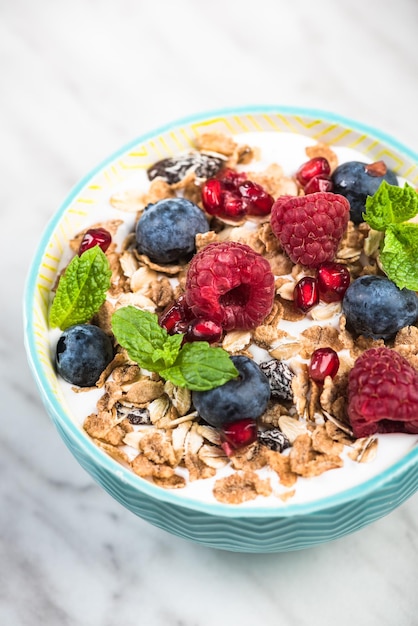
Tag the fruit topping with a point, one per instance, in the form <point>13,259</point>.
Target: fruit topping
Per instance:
<point>83,351</point>
<point>333,281</point>
<point>238,435</point>
<point>382,394</point>
<point>167,230</point>
<point>95,237</point>
<point>231,285</point>
<point>274,439</point>
<point>318,183</point>
<point>203,330</point>
<point>310,228</point>
<point>356,180</point>
<point>174,169</point>
<point>324,362</point>
<point>176,317</point>
<point>317,166</point>
<point>306,293</point>
<point>232,196</point>
<point>246,396</point>
<point>375,307</point>
<point>280,377</point>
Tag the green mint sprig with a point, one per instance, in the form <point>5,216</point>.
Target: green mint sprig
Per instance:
<point>389,210</point>
<point>81,289</point>
<point>197,365</point>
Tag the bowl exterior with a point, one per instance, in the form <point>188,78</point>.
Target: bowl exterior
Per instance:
<point>229,528</point>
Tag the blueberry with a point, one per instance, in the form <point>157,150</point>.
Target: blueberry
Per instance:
<point>83,352</point>
<point>167,229</point>
<point>356,180</point>
<point>375,307</point>
<point>243,397</point>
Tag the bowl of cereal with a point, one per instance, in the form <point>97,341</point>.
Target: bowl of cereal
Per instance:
<point>221,321</point>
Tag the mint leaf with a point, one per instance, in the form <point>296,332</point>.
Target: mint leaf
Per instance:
<point>196,366</point>
<point>200,367</point>
<point>145,340</point>
<point>399,255</point>
<point>390,205</point>
<point>81,289</point>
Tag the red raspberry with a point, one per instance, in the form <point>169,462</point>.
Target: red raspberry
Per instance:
<point>382,394</point>
<point>230,284</point>
<point>310,228</point>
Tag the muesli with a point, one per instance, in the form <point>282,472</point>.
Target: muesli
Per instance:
<point>253,329</point>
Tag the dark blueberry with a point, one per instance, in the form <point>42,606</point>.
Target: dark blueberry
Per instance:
<point>356,180</point>
<point>244,397</point>
<point>375,307</point>
<point>167,229</point>
<point>83,352</point>
<point>280,378</point>
<point>274,439</point>
<point>174,169</point>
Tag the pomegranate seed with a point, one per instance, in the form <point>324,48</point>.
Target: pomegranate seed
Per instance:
<point>232,205</point>
<point>211,196</point>
<point>256,201</point>
<point>318,166</point>
<point>231,179</point>
<point>232,196</point>
<point>238,434</point>
<point>176,317</point>
<point>95,237</point>
<point>333,281</point>
<point>318,183</point>
<point>324,362</point>
<point>203,330</point>
<point>306,293</point>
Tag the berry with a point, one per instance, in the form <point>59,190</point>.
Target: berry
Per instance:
<point>83,351</point>
<point>231,285</point>
<point>382,394</point>
<point>356,180</point>
<point>318,183</point>
<point>203,330</point>
<point>167,230</point>
<point>280,377</point>
<point>375,307</point>
<point>174,169</point>
<point>333,281</point>
<point>238,435</point>
<point>318,166</point>
<point>306,293</point>
<point>310,227</point>
<point>95,237</point>
<point>246,396</point>
<point>324,362</point>
<point>176,317</point>
<point>232,196</point>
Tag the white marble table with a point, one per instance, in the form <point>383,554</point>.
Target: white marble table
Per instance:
<point>78,80</point>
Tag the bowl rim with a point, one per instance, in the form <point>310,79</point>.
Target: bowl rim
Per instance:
<point>104,461</point>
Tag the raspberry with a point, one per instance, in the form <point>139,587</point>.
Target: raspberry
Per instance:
<point>382,394</point>
<point>310,228</point>
<point>230,284</point>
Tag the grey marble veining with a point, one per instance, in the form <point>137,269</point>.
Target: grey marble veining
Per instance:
<point>78,80</point>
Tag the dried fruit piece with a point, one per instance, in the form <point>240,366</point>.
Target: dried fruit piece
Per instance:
<point>174,169</point>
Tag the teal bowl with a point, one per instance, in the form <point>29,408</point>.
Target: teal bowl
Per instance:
<point>243,528</point>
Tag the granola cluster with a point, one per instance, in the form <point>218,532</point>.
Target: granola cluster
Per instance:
<point>151,426</point>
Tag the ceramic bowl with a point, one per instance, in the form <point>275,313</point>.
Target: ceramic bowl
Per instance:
<point>245,528</point>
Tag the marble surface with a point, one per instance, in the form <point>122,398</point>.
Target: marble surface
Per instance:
<point>78,80</point>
